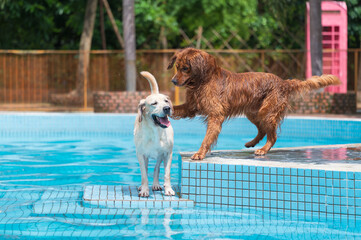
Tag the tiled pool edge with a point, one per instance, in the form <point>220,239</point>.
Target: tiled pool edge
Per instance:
<point>291,190</point>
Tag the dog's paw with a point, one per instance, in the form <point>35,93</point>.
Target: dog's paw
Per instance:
<point>169,191</point>
<point>260,152</point>
<point>250,144</point>
<point>143,191</point>
<point>198,156</point>
<point>156,187</point>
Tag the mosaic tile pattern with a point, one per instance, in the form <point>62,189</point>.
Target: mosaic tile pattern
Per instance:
<point>315,193</point>
<point>105,196</point>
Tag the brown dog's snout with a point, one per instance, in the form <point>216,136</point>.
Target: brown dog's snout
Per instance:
<point>174,81</point>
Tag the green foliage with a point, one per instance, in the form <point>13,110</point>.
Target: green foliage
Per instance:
<point>272,24</point>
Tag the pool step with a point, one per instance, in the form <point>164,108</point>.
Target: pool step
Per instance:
<point>115,196</point>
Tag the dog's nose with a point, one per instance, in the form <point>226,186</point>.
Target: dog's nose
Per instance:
<point>174,81</point>
<point>166,110</point>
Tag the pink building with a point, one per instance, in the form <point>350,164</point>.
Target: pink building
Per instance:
<point>334,42</point>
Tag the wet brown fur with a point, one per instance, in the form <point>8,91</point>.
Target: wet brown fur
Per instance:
<point>218,94</point>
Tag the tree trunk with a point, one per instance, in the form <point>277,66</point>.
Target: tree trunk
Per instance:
<point>85,46</point>
<point>129,44</point>
<point>316,37</point>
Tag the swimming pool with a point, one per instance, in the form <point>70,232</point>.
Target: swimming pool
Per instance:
<point>54,156</point>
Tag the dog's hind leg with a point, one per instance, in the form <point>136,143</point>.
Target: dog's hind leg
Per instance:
<point>156,186</point>
<point>167,165</point>
<point>271,114</point>
<point>261,132</point>
<point>144,188</point>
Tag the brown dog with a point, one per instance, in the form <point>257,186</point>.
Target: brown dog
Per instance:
<point>218,94</point>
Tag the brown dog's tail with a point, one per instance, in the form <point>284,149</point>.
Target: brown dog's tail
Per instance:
<point>314,82</point>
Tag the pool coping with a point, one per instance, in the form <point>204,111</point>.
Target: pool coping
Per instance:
<point>262,161</point>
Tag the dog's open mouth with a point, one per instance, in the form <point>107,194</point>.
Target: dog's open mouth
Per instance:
<point>161,121</point>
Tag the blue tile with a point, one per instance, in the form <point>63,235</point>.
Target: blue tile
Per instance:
<point>344,201</point>
<point>301,180</point>
<point>245,193</point>
<point>185,165</point>
<point>294,180</point>
<point>301,206</point>
<point>321,173</point>
<point>225,176</point>
<point>280,171</point>
<point>351,184</point>
<point>329,182</point>
<point>245,185</point>
<point>314,173</point>
<point>266,178</point>
<point>315,199</point>
<point>287,171</point>
<point>294,172</point>
<point>273,204</point>
<point>193,166</point>
<point>231,184</point>
<point>252,202</point>
<point>204,166</point>
<point>308,173</point>
<point>217,199</point>
<point>301,189</point>
<point>308,198</point>
<point>280,179</point>
<point>308,189</point>
<point>218,175</point>
<point>210,166</point>
<point>252,177</point>
<point>259,185</point>
<point>266,203</point>
<point>322,182</point>
<point>343,175</point>
<point>259,177</point>
<point>287,188</point>
<point>266,170</point>
<point>225,168</point>
<point>192,174</point>
<point>287,196</point>
<point>343,183</point>
<point>308,181</point>
<point>329,174</point>
<point>358,193</point>
<point>238,193</point>
<point>252,169</point>
<point>252,194</point>
<point>287,205</point>
<point>315,207</point>
<point>245,169</point>
<point>273,170</point>
<point>300,172</point>
<point>232,176</point>
<point>210,190</point>
<point>336,183</point>
<point>273,195</point>
<point>280,196</point>
<point>266,194</point>
<point>210,175</point>
<point>239,201</point>
<point>245,177</point>
<point>294,205</point>
<point>218,183</point>
<point>287,179</point>
<point>280,187</point>
<point>232,200</point>
<point>259,203</point>
<point>294,188</point>
<point>218,167</point>
<point>224,191</point>
<point>211,183</point>
<point>204,174</point>
<point>329,191</point>
<point>336,192</point>
<point>350,175</point>
<point>273,178</point>
<point>358,184</point>
<point>239,168</point>
<point>232,168</point>
<point>273,187</point>
<point>192,181</point>
<point>267,186</point>
<point>245,202</point>
<point>336,174</point>
<point>329,200</point>
<point>259,170</point>
<point>301,197</point>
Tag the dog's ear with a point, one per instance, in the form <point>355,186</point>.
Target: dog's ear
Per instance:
<point>141,107</point>
<point>172,61</point>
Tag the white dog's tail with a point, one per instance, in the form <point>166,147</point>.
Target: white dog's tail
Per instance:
<point>152,82</point>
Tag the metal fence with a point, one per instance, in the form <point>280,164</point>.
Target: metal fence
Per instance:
<point>28,79</point>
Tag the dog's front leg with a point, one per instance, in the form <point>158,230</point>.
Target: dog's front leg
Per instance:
<point>156,186</point>
<point>167,165</point>
<point>214,127</point>
<point>143,163</point>
<point>183,111</point>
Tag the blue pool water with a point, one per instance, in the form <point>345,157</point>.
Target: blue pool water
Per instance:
<point>56,155</point>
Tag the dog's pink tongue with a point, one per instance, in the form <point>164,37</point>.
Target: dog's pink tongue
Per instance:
<point>164,121</point>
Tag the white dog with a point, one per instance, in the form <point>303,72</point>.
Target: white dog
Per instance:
<point>153,137</point>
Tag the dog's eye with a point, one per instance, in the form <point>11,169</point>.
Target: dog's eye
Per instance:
<point>184,69</point>
<point>166,101</point>
<point>155,103</point>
